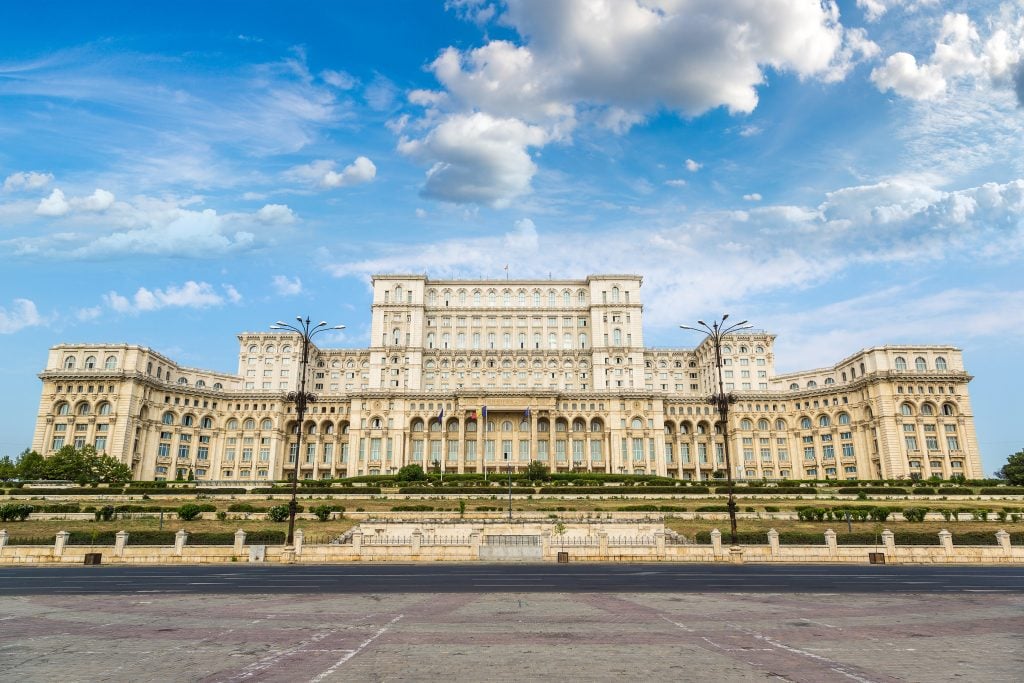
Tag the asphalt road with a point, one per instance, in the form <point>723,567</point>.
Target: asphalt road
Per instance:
<point>489,578</point>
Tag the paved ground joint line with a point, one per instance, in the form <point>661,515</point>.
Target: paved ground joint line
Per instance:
<point>334,667</point>
<point>831,664</point>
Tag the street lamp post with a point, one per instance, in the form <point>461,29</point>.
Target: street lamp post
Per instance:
<point>301,399</point>
<point>508,460</point>
<point>716,331</point>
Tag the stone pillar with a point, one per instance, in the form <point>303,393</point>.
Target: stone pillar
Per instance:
<point>602,545</point>
<point>60,542</point>
<point>716,542</point>
<point>120,541</point>
<point>946,541</point>
<point>179,541</point>
<point>3,540</point>
<point>889,540</point>
<point>300,537</point>
<point>474,544</point>
<point>736,554</point>
<point>773,542</point>
<point>417,540</point>
<point>239,541</point>
<point>1004,541</point>
<point>357,541</point>
<point>830,541</point>
<point>659,543</point>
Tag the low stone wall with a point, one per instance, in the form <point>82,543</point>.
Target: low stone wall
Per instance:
<point>593,541</point>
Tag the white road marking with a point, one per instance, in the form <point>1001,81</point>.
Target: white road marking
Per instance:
<point>352,653</point>
<point>832,665</point>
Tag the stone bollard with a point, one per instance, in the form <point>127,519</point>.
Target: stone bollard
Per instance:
<point>889,540</point>
<point>417,540</point>
<point>716,542</point>
<point>659,544</point>
<point>120,541</point>
<point>831,543</point>
<point>300,538</point>
<point>3,540</point>
<point>1004,541</point>
<point>60,542</point>
<point>946,541</point>
<point>773,542</point>
<point>357,541</point>
<point>179,541</point>
<point>239,541</point>
<point>602,545</point>
<point>736,554</point>
<point>474,544</point>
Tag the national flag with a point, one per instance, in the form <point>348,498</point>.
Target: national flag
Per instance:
<point>526,413</point>
<point>485,412</point>
<point>440,415</point>
<point>472,415</point>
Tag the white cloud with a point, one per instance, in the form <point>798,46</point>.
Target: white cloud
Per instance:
<point>286,286</point>
<point>675,182</point>
<point>276,214</point>
<point>234,296</point>
<point>100,200</point>
<point>189,295</point>
<point>54,205</point>
<point>477,158</point>
<point>321,173</point>
<point>421,213</point>
<point>752,197</point>
<point>875,9</point>
<point>21,314</point>
<point>902,74</point>
<point>381,94</point>
<point>339,79</point>
<point>692,166</point>
<point>90,313</point>
<point>30,180</point>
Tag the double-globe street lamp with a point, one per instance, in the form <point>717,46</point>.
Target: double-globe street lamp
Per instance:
<point>301,399</point>
<point>715,332</point>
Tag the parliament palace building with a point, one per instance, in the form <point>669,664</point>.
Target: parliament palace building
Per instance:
<point>473,376</point>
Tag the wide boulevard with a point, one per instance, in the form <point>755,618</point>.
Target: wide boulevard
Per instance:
<point>476,578</point>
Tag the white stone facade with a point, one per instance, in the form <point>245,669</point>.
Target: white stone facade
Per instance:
<point>559,365</point>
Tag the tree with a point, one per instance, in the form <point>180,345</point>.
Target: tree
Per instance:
<point>8,470</point>
<point>83,466</point>
<point>537,471</point>
<point>411,473</point>
<point>1013,470</point>
<point>31,465</point>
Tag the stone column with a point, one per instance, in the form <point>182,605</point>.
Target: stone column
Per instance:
<point>716,542</point>
<point>889,540</point>
<point>239,541</point>
<point>300,537</point>
<point>417,540</point>
<point>773,542</point>
<point>120,541</point>
<point>946,541</point>
<point>1004,541</point>
<point>830,541</point>
<point>179,541</point>
<point>60,542</point>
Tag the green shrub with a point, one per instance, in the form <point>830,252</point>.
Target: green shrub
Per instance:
<point>105,513</point>
<point>322,512</point>
<point>914,514</point>
<point>222,515</point>
<point>771,508</point>
<point>780,490</point>
<point>412,508</point>
<point>947,514</point>
<point>150,537</point>
<point>61,507</point>
<point>278,513</point>
<point>211,538</point>
<point>713,508</point>
<point>879,514</point>
<point>264,537</point>
<point>923,491</point>
<point>241,507</point>
<point>189,511</point>
<point>1003,491</point>
<point>638,508</point>
<point>91,538</point>
<point>15,512</point>
<point>881,490</point>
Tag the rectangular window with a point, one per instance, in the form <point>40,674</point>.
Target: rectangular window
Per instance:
<point>911,443</point>
<point>203,453</point>
<point>809,453</point>
<point>471,451</point>
<point>596,454</point>
<point>952,443</point>
<point>542,450</point>
<point>58,443</point>
<point>684,453</point>
<point>101,444</point>
<point>847,450</point>
<point>638,450</point>
<point>247,454</point>
<point>417,451</point>
<point>489,450</point>
<point>669,454</point>
<point>931,442</point>
<point>577,452</point>
<point>828,451</point>
<point>183,451</point>
<point>524,451</point>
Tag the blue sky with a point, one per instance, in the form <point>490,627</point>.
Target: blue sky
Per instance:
<point>843,175</point>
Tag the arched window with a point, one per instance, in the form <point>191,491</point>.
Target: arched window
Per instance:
<point>780,425</point>
<point>182,380</point>
<point>453,426</point>
<point>927,409</point>
<point>615,295</point>
<point>232,424</point>
<point>906,409</point>
<point>596,425</point>
<point>267,424</point>
<point>110,363</point>
<point>763,425</point>
<point>824,421</point>
<point>417,425</point>
<point>103,408</point>
<point>83,409</point>
<point>579,425</point>
<point>759,349</point>
<point>188,421</point>
<point>794,386</point>
<point>901,363</point>
<point>811,384</point>
<point>200,383</point>
<point>566,298</point>
<point>311,428</point>
<point>543,425</point>
<point>168,418</point>
<point>746,425</point>
<point>829,380</point>
<point>218,385</point>
<point>844,418</point>
<point>63,409</point>
<point>69,363</point>
<point>249,424</point>
<point>637,423</point>
<point>805,423</point>
<point>669,428</point>
<point>948,409</point>
<point>206,423</point>
<point>940,363</point>
<point>920,364</point>
<point>90,362</point>
<point>435,426</point>
<point>492,297</point>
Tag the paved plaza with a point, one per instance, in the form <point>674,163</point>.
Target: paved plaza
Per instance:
<point>512,633</point>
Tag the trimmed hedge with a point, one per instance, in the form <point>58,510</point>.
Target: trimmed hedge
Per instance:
<point>781,490</point>
<point>64,492</point>
<point>264,537</point>
<point>441,490</point>
<point>330,490</point>
<point>854,490</point>
<point>625,490</point>
<point>1003,491</point>
<point>154,491</point>
<point>959,491</point>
